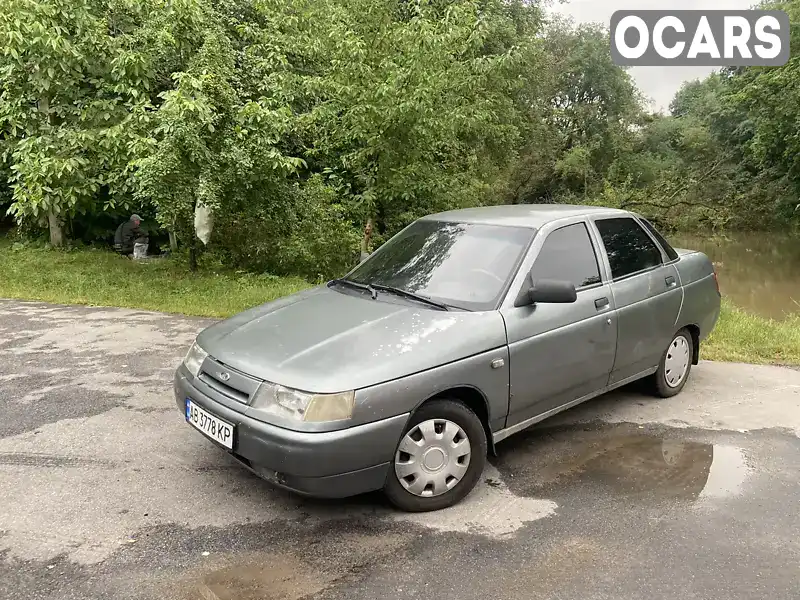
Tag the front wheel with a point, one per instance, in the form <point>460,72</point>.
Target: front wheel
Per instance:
<point>675,366</point>
<point>439,458</point>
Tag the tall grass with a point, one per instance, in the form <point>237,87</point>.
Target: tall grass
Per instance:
<point>97,277</point>
<point>742,337</point>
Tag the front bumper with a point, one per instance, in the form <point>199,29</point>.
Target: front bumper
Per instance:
<point>334,464</point>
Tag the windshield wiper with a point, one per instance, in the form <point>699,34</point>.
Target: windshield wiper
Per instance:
<point>358,286</point>
<point>410,295</point>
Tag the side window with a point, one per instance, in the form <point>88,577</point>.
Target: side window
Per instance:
<point>629,248</point>
<point>568,255</point>
<point>660,239</point>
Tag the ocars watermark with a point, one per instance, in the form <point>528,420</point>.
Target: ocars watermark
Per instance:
<point>711,38</point>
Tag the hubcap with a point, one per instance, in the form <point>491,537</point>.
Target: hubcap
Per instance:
<point>677,363</point>
<point>432,457</point>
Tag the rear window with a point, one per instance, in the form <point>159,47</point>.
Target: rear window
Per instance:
<point>630,250</point>
<point>661,240</point>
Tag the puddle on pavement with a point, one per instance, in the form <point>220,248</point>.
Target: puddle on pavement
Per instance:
<point>294,568</point>
<point>273,577</point>
<point>625,462</point>
<point>618,460</point>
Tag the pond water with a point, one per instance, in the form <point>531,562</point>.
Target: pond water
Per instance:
<point>759,272</point>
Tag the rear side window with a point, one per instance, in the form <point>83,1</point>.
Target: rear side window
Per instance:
<point>660,238</point>
<point>628,246</point>
<point>568,255</point>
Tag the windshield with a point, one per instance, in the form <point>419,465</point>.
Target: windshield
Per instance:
<point>460,264</point>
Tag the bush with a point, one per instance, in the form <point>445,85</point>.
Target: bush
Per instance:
<point>323,242</point>
<point>296,229</point>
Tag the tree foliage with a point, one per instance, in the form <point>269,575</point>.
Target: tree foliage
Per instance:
<point>296,123</point>
<point>74,102</point>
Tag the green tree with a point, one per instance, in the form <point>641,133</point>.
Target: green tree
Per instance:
<point>771,97</point>
<point>416,110</point>
<point>71,106</point>
<point>583,115</point>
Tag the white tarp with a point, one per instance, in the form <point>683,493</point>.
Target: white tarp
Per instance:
<point>203,222</point>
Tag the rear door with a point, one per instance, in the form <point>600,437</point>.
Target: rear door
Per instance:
<point>647,295</point>
<point>560,352</point>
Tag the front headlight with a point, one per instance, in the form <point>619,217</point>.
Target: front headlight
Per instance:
<point>312,408</point>
<point>194,359</point>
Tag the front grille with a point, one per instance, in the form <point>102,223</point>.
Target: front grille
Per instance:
<point>223,388</point>
<point>237,385</point>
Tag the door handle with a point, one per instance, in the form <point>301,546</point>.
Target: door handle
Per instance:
<point>601,303</point>
<point>670,281</point>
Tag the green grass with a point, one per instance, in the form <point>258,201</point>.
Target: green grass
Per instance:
<point>101,278</point>
<point>742,337</point>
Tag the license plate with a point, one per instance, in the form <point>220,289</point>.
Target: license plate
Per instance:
<point>218,430</point>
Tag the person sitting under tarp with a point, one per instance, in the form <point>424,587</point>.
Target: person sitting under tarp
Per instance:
<point>129,233</point>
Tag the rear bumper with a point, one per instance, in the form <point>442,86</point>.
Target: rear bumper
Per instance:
<point>333,464</point>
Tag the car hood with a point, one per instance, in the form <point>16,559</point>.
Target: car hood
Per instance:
<point>324,341</point>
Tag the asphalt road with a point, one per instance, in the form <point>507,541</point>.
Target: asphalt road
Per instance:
<point>105,492</point>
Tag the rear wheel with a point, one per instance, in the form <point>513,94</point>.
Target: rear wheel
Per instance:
<point>439,458</point>
<point>675,366</point>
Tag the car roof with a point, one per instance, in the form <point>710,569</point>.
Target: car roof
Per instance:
<point>521,215</point>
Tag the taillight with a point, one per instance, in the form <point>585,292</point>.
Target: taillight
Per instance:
<point>716,282</point>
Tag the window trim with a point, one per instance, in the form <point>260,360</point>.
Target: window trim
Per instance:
<point>521,277</point>
<point>665,259</point>
<point>633,218</point>
<point>637,273</point>
<point>597,261</point>
<point>515,269</point>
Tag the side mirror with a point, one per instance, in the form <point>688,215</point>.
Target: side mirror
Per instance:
<point>548,291</point>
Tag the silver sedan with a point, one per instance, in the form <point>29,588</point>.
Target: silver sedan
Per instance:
<point>463,329</point>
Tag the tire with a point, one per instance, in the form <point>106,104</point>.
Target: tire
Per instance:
<point>440,420</point>
<point>663,381</point>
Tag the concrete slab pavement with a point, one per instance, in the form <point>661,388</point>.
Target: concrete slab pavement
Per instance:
<point>106,493</point>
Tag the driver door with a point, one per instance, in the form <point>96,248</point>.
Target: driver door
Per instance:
<point>561,352</point>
